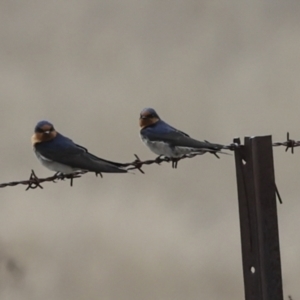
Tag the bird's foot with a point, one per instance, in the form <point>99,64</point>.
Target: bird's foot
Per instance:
<point>71,176</point>
<point>99,174</point>
<point>175,161</point>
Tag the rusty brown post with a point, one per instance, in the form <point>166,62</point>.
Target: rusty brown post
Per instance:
<point>258,219</point>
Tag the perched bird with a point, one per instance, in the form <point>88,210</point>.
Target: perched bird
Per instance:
<point>60,154</point>
<point>167,141</point>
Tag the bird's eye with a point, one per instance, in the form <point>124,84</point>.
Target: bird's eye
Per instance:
<point>40,130</point>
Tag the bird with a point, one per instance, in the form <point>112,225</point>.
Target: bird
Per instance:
<point>60,154</point>
<point>167,141</point>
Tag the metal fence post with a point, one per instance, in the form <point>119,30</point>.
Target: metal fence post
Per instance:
<point>258,219</point>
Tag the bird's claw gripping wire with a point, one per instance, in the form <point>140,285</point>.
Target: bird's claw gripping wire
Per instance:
<point>175,162</point>
<point>62,176</point>
<point>100,174</point>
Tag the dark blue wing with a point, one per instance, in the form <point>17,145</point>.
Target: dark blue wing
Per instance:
<point>64,151</point>
<point>162,132</point>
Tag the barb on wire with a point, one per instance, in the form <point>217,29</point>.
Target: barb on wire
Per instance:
<point>289,143</point>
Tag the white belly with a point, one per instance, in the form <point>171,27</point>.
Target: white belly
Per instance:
<point>162,148</point>
<point>55,166</point>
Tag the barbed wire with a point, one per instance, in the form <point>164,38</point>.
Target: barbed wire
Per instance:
<point>34,182</point>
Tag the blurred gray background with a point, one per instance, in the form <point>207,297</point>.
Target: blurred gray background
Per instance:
<point>214,69</point>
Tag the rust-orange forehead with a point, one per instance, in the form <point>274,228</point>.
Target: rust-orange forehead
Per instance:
<point>147,122</point>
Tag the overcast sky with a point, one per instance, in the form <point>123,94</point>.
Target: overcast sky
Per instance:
<point>214,69</point>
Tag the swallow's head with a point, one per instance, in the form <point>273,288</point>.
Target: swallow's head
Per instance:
<point>43,132</point>
<point>148,116</point>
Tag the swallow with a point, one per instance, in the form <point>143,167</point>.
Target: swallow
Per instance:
<point>60,154</point>
<point>165,140</point>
